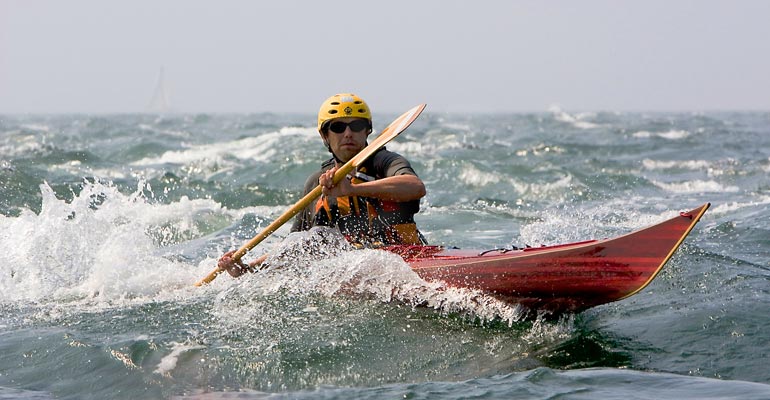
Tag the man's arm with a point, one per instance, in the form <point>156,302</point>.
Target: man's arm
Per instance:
<point>238,268</point>
<point>398,188</point>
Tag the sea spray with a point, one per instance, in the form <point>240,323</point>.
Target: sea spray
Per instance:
<point>98,246</point>
<point>320,261</point>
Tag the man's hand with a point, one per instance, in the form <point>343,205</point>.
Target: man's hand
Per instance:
<point>235,269</point>
<point>392,188</point>
<point>342,188</point>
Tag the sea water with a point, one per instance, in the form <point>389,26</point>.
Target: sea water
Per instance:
<point>107,220</point>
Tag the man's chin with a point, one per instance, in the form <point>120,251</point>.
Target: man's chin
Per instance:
<point>348,152</point>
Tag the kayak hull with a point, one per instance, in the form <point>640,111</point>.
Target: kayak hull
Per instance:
<point>563,278</point>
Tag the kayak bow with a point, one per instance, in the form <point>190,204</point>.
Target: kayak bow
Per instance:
<point>563,278</point>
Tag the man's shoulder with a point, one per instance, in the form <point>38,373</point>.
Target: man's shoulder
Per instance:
<point>312,181</point>
<point>386,156</point>
<point>387,163</point>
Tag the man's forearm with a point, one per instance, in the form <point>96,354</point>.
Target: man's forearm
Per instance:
<point>392,188</point>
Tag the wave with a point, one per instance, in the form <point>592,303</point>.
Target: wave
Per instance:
<point>670,135</point>
<point>727,208</point>
<point>99,248</point>
<point>696,186</point>
<point>586,383</point>
<point>262,148</point>
<point>578,120</point>
<point>107,249</point>
<point>676,164</point>
<point>15,144</point>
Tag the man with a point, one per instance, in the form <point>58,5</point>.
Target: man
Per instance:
<point>375,205</point>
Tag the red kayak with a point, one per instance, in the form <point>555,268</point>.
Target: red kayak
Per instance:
<point>563,278</point>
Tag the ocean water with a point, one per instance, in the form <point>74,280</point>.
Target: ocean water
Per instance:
<point>107,220</point>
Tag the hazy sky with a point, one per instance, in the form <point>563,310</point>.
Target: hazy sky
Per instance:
<point>476,56</point>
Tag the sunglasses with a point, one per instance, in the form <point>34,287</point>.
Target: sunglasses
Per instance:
<point>355,126</point>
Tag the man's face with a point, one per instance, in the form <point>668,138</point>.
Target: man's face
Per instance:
<point>347,136</point>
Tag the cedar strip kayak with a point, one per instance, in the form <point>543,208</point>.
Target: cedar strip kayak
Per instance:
<point>563,278</point>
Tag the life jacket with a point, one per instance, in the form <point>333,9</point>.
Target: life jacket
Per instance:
<point>369,222</point>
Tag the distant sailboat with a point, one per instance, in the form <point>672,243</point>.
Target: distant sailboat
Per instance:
<point>159,102</point>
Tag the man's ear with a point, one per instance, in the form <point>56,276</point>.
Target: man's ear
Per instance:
<point>326,143</point>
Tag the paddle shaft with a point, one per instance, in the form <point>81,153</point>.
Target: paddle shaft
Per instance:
<point>388,134</point>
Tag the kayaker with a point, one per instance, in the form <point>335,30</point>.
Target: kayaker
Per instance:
<point>375,205</point>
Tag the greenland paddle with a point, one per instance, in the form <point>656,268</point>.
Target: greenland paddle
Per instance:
<point>394,129</point>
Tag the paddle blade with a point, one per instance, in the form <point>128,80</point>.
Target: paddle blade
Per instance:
<point>389,133</point>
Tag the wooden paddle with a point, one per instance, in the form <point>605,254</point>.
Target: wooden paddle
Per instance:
<point>394,129</point>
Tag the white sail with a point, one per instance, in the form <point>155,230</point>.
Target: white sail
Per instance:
<point>160,102</point>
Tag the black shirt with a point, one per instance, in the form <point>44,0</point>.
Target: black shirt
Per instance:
<point>381,164</point>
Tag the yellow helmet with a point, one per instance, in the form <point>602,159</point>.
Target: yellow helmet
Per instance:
<point>343,105</point>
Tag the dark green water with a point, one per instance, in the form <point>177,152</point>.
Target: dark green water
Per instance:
<point>105,221</point>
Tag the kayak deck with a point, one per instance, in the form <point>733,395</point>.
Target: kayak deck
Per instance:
<point>562,278</point>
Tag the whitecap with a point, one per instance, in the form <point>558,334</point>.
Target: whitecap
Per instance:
<point>169,361</point>
<point>674,134</point>
<point>670,135</point>
<point>675,164</point>
<point>472,176</point>
<point>14,145</point>
<point>727,208</point>
<point>260,148</point>
<point>406,148</point>
<point>36,127</point>
<point>544,189</point>
<point>696,186</point>
<point>578,120</point>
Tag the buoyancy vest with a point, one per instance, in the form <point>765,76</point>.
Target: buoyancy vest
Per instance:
<point>369,221</point>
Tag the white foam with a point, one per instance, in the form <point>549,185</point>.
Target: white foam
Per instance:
<point>674,134</point>
<point>728,208</point>
<point>675,164</point>
<point>578,120</point>
<point>167,132</point>
<point>14,145</point>
<point>559,226</point>
<point>36,127</point>
<point>76,168</point>
<point>544,189</point>
<point>96,249</point>
<point>696,186</point>
<point>436,141</point>
<point>168,362</point>
<point>405,148</point>
<point>260,148</point>
<point>541,149</point>
<point>321,262</point>
<point>670,135</point>
<point>472,176</point>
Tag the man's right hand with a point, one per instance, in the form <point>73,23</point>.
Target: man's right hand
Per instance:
<point>234,268</point>
<point>341,189</point>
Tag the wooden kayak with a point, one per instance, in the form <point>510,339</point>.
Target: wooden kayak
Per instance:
<point>562,278</point>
